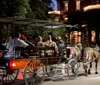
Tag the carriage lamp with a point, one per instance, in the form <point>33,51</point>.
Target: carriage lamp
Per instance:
<point>12,64</point>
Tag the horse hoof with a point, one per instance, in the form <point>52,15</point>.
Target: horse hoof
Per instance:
<point>96,72</point>
<point>85,74</point>
<point>89,72</point>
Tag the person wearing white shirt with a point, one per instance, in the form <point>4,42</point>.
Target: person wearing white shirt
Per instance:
<point>15,42</point>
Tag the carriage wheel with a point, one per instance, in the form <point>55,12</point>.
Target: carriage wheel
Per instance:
<point>72,69</point>
<point>50,70</point>
<point>34,72</point>
<point>9,76</point>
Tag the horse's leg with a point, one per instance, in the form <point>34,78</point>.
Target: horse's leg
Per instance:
<point>85,69</point>
<point>89,71</point>
<point>85,66</point>
<point>84,60</point>
<point>96,64</point>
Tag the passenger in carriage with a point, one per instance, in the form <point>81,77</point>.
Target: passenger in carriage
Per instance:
<point>22,36</point>
<point>60,43</point>
<point>2,44</point>
<point>13,43</point>
<point>1,55</point>
<point>51,44</point>
<point>2,49</point>
<point>40,43</point>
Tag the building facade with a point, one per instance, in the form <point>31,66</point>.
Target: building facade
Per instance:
<point>69,7</point>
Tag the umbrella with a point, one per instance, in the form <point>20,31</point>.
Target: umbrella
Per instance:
<point>38,23</point>
<point>6,20</point>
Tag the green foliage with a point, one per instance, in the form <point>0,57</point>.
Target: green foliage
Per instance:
<point>37,9</point>
<point>56,32</point>
<point>14,7</point>
<point>29,8</point>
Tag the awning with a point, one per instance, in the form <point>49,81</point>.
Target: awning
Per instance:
<point>53,25</point>
<point>31,22</point>
<point>90,7</point>
<point>6,20</point>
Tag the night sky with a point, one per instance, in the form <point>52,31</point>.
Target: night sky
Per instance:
<point>55,5</point>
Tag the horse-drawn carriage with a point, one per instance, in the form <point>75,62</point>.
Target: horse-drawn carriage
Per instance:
<point>34,67</point>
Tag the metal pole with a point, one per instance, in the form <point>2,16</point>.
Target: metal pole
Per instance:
<point>7,32</point>
<point>14,37</point>
<point>51,27</point>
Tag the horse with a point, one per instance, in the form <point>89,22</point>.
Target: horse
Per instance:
<point>90,55</point>
<point>74,52</point>
<point>87,55</point>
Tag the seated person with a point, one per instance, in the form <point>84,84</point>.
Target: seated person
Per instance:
<point>40,43</point>
<point>15,42</point>
<point>2,49</point>
<point>51,44</point>
<point>22,37</point>
<point>1,54</point>
<point>60,43</point>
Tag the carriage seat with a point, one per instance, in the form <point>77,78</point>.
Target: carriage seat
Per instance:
<point>45,51</point>
<point>20,52</point>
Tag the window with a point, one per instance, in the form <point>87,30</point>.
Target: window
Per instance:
<point>65,5</point>
<point>75,37</point>
<point>78,5</point>
<point>93,36</point>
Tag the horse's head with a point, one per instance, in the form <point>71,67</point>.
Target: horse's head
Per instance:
<point>79,46</point>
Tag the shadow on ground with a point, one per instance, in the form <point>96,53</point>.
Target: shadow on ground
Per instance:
<point>18,82</point>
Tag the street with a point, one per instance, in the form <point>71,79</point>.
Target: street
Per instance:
<point>93,79</point>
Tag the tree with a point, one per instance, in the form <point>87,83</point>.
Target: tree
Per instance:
<point>14,7</point>
<point>39,8</point>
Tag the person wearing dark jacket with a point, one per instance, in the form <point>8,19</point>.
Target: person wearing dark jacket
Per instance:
<point>60,43</point>
<point>2,49</point>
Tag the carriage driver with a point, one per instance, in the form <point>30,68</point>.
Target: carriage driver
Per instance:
<point>61,44</point>
<point>78,51</point>
<point>15,42</point>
